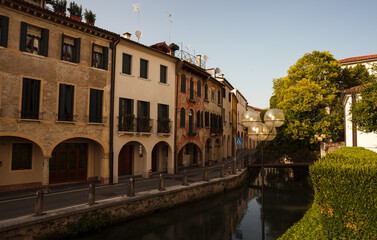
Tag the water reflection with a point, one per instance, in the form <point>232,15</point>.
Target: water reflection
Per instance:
<point>234,215</point>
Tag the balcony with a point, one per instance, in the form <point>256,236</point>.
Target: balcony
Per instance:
<point>164,126</point>
<point>216,131</point>
<point>144,125</point>
<point>127,123</point>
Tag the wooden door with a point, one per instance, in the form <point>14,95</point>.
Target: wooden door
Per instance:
<point>154,159</point>
<point>125,160</point>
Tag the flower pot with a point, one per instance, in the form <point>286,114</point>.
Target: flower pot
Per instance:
<point>89,23</point>
<point>76,18</point>
<point>61,13</point>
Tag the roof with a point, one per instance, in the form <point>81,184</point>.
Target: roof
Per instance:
<point>355,89</point>
<point>162,46</point>
<point>366,58</point>
<point>255,108</point>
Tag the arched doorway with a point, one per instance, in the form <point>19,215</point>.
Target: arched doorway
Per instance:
<point>189,155</point>
<point>131,159</point>
<point>161,154</point>
<point>76,159</point>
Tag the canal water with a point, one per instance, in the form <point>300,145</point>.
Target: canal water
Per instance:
<point>233,215</point>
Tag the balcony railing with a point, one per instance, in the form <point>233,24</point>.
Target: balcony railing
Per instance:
<point>189,58</point>
<point>164,126</point>
<point>127,123</point>
<point>144,124</point>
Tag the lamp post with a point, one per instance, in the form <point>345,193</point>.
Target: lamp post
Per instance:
<point>259,131</point>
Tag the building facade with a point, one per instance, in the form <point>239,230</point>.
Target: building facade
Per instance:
<point>144,109</point>
<point>54,97</point>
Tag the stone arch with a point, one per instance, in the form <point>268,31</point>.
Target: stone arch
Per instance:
<point>25,136</point>
<point>217,150</point>
<point>99,141</point>
<point>189,155</point>
<point>132,159</point>
<point>208,151</point>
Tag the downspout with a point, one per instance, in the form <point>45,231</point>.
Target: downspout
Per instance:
<point>113,46</point>
<point>175,117</point>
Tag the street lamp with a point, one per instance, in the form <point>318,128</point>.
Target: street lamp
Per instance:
<point>259,131</point>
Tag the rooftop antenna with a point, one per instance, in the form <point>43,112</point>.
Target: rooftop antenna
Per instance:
<point>205,57</point>
<point>170,22</point>
<point>217,71</point>
<point>137,9</point>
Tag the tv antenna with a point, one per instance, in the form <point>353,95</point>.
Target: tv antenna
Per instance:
<point>137,9</point>
<point>217,71</point>
<point>205,57</point>
<point>170,22</point>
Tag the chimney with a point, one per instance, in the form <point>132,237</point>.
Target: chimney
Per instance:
<point>127,35</point>
<point>173,47</point>
<point>198,60</point>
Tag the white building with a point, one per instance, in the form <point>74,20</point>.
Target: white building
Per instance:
<point>143,109</point>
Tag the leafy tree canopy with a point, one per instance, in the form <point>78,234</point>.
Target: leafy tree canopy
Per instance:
<point>309,96</point>
<point>364,111</point>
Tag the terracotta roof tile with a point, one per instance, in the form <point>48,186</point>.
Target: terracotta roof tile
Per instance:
<point>359,59</point>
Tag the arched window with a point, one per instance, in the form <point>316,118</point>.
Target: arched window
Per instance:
<point>182,118</point>
<point>183,83</point>
<point>191,88</point>
<point>198,119</point>
<point>206,92</point>
<point>191,121</point>
<point>199,88</point>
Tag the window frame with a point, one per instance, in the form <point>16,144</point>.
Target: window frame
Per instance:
<point>163,74</point>
<point>124,57</point>
<point>4,29</point>
<point>30,100</point>
<point>16,166</point>
<point>43,40</point>
<point>144,67</point>
<point>182,117</point>
<point>104,57</point>
<point>62,113</point>
<point>75,58</point>
<point>183,83</point>
<point>97,105</point>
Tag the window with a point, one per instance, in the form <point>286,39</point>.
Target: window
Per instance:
<point>183,83</point>
<point>126,115</point>
<point>143,113</point>
<point>70,49</point>
<point>199,88</point>
<point>21,156</point>
<point>163,121</point>
<point>100,56</point>
<point>206,92</point>
<point>224,93</point>
<point>182,121</point>
<point>218,97</point>
<point>207,119</point>
<point>66,102</point>
<point>34,39</point>
<point>4,25</point>
<point>191,121</point>
<point>201,119</point>
<point>198,119</point>
<point>212,95</point>
<point>191,88</point>
<point>143,68</point>
<point>30,98</point>
<point>95,106</point>
<point>126,66</point>
<point>163,71</point>
<point>230,97</point>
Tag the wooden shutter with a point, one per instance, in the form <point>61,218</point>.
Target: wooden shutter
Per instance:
<point>23,34</point>
<point>182,117</point>
<point>199,88</point>
<point>69,101</point>
<point>61,102</point>
<point>99,106</point>
<point>62,47</point>
<point>201,120</point>
<point>77,49</point>
<point>4,31</point>
<point>198,119</point>
<point>183,83</point>
<point>45,39</point>
<point>92,105</point>
<point>105,53</point>
<point>35,92</point>
<point>25,106</point>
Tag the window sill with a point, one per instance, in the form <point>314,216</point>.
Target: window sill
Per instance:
<point>163,134</point>
<point>70,63</point>
<point>33,55</point>
<point>121,133</point>
<point>144,133</point>
<point>164,84</point>
<point>1,47</point>
<point>95,123</point>
<point>66,122</point>
<point>29,120</point>
<point>145,79</point>
<point>126,74</point>
<point>99,69</point>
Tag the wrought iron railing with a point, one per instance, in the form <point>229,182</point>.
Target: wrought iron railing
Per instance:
<point>144,124</point>
<point>127,123</point>
<point>189,58</point>
<point>164,126</point>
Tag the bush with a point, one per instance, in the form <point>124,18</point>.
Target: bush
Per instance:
<point>345,202</point>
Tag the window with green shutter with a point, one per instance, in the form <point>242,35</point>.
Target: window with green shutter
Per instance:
<point>95,106</point>
<point>126,64</point>
<point>143,68</point>
<point>183,83</point>
<point>65,111</point>
<point>30,98</point>
<point>163,72</point>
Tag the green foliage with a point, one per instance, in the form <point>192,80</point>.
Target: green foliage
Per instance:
<point>309,96</point>
<point>89,16</point>
<point>345,202</point>
<point>59,5</point>
<point>364,111</point>
<point>75,10</point>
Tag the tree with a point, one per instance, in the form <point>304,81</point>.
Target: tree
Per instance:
<point>309,96</point>
<point>364,110</point>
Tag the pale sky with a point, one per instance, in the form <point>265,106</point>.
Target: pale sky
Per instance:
<point>251,41</point>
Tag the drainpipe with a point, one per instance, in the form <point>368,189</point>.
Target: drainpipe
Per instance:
<point>175,116</point>
<point>113,46</point>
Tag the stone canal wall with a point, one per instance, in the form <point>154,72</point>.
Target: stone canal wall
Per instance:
<point>73,220</point>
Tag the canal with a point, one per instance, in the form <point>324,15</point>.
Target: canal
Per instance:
<point>233,215</point>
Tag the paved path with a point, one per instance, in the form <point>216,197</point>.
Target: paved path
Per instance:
<point>21,203</point>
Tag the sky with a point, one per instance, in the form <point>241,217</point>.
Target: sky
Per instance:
<point>251,41</point>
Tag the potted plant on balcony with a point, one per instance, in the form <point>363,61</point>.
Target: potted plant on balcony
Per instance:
<point>128,124</point>
<point>164,126</point>
<point>75,11</point>
<point>90,17</point>
<point>59,6</point>
<point>145,124</point>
